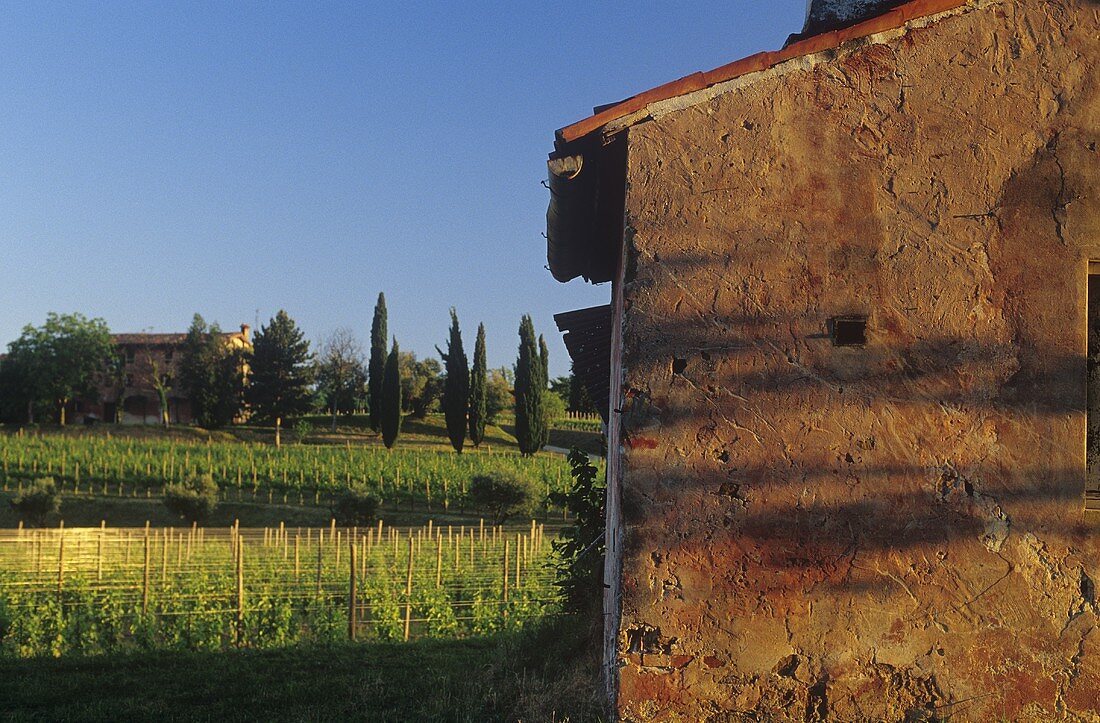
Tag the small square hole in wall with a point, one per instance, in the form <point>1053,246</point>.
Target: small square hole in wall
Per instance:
<point>848,330</point>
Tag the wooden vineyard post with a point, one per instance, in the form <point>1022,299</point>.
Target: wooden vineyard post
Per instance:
<point>297,566</point>
<point>99,555</point>
<point>409,588</point>
<point>145,578</point>
<point>439,561</point>
<point>164,558</point>
<point>240,591</point>
<point>60,561</point>
<point>504,584</point>
<point>320,562</point>
<point>351,588</point>
<point>519,559</point>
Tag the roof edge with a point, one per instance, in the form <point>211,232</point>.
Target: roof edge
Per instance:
<point>890,20</point>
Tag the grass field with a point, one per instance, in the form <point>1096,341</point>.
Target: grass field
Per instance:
<point>541,674</point>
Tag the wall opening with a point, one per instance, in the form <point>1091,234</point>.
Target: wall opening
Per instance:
<point>848,330</point>
<point>1092,425</point>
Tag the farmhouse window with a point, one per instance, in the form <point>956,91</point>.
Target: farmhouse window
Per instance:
<point>848,330</point>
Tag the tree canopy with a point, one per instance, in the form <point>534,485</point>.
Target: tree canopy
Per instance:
<point>59,361</point>
<point>391,398</point>
<point>456,386</point>
<point>531,420</point>
<point>376,368</point>
<point>212,375</point>
<point>478,392</point>
<point>341,374</point>
<point>281,371</point>
<point>421,384</point>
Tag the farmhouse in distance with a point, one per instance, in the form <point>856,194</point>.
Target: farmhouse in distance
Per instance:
<point>853,355</point>
<point>148,359</point>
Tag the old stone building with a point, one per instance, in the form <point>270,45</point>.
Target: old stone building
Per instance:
<point>132,397</point>
<point>854,398</point>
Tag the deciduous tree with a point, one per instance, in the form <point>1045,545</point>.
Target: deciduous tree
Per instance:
<point>61,360</point>
<point>421,384</point>
<point>499,396</point>
<point>341,374</point>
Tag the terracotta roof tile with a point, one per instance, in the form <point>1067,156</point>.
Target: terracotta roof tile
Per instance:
<point>889,20</point>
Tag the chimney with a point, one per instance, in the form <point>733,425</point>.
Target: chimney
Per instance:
<point>246,332</point>
<point>823,16</point>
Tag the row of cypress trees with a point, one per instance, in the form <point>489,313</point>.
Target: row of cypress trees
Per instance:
<point>465,389</point>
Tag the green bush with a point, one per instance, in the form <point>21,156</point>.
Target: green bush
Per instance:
<point>502,494</point>
<point>36,504</point>
<point>193,499</point>
<point>302,429</point>
<point>581,546</point>
<point>356,507</point>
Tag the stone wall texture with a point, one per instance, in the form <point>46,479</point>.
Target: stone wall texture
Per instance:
<point>887,532</point>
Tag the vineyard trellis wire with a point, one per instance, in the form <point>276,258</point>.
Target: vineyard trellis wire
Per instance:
<point>89,590</point>
<point>128,466</point>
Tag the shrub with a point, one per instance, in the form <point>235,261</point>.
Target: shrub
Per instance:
<point>302,429</point>
<point>35,505</point>
<point>581,545</point>
<point>193,499</point>
<point>356,507</point>
<point>502,494</point>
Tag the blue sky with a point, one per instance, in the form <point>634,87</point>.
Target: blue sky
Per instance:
<point>235,158</point>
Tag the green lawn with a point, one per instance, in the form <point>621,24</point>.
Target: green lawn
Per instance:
<point>540,675</point>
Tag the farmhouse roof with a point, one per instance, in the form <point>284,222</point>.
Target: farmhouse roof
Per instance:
<point>828,26</point>
<point>147,339</point>
<point>583,221</point>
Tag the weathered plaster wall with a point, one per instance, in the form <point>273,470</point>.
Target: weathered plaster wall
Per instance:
<point>892,532</point>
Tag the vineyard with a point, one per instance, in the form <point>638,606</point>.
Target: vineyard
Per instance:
<point>98,590</point>
<point>102,464</point>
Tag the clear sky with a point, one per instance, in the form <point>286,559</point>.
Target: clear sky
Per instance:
<point>234,158</point>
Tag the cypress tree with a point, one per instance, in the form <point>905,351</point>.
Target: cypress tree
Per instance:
<point>376,368</point>
<point>390,395</point>
<point>530,388</point>
<point>544,362</point>
<point>456,386</point>
<point>478,389</point>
